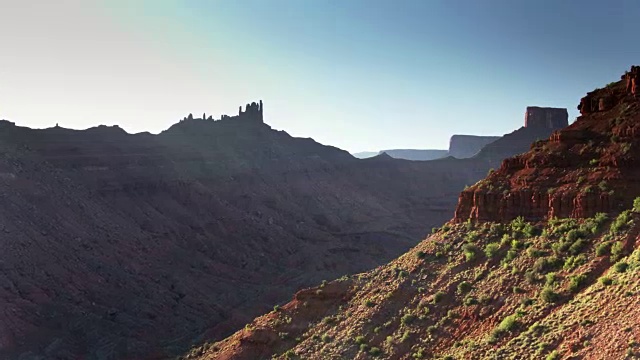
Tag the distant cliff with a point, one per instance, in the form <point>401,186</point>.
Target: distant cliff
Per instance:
<point>410,154</point>
<point>465,146</point>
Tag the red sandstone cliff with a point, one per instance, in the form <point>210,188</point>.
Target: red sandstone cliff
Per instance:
<point>572,173</point>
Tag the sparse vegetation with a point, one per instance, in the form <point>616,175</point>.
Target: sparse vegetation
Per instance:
<point>437,297</point>
<point>464,287</point>
<point>548,295</point>
<point>576,282</point>
<point>407,319</point>
<point>621,266</point>
<point>470,251</point>
<point>606,281</point>
<point>491,250</point>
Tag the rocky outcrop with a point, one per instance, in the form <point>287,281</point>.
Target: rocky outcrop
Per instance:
<point>546,117</point>
<point>253,112</point>
<point>465,146</point>
<point>576,173</point>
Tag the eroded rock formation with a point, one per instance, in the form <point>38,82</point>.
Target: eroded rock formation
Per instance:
<point>546,117</point>
<point>573,172</point>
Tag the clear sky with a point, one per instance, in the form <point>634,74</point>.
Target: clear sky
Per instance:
<point>357,74</point>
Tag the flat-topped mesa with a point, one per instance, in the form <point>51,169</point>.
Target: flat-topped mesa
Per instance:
<point>546,117</point>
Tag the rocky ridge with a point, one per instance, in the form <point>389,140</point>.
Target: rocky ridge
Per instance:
<point>580,170</point>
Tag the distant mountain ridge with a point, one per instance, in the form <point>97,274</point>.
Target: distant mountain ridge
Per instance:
<point>163,241</point>
<point>460,147</point>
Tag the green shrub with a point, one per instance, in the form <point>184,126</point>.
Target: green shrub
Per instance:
<point>636,204</point>
<point>509,323</point>
<point>526,301</point>
<point>603,248</point>
<point>421,254</point>
<point>369,303</point>
<point>374,351</point>
<point>472,236</point>
<point>546,264</point>
<point>606,281</point>
<point>531,277</point>
<point>419,354</point>
<point>534,253</point>
<point>276,308</point>
<point>470,251</point>
<point>594,162</point>
<point>617,250</point>
<point>550,279</point>
<point>326,338</point>
<point>407,319</point>
<point>516,244</point>
<point>621,266</point>
<point>405,336</point>
<point>470,300</point>
<point>437,297</point>
<point>511,254</point>
<point>548,295</point>
<point>496,229</point>
<point>621,223</point>
<point>506,240</point>
<point>576,282</point>
<point>577,246</point>
<point>491,250</point>
<point>360,340</point>
<point>574,234</point>
<point>364,347</point>
<point>573,262</point>
<point>554,355</point>
<point>464,287</point>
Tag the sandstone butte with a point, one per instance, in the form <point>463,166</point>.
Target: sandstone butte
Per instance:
<point>541,261</point>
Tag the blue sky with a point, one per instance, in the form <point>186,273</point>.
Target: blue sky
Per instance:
<point>357,74</point>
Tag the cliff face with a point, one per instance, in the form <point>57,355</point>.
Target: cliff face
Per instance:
<point>570,174</point>
<point>551,118</point>
<point>465,146</point>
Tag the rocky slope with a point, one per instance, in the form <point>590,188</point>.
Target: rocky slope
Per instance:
<point>541,261</point>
